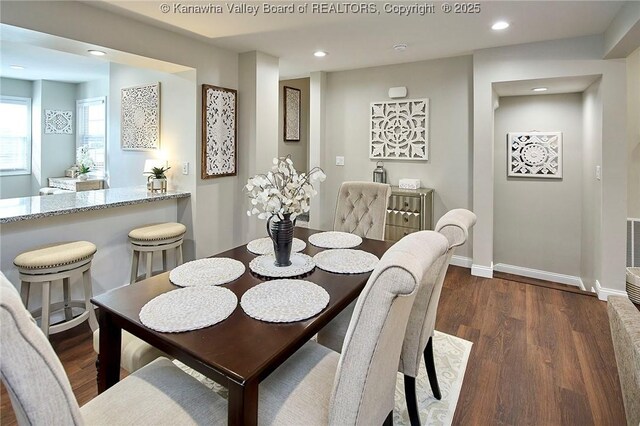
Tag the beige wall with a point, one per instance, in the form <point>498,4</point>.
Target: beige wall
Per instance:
<point>297,150</point>
<point>538,221</point>
<point>633,133</point>
<point>447,83</point>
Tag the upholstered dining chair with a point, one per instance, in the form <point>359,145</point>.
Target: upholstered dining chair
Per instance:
<point>40,393</point>
<point>362,209</point>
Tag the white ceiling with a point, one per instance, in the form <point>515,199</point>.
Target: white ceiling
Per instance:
<point>364,40</point>
<point>577,84</point>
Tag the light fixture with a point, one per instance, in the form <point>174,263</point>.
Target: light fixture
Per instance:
<point>500,25</point>
<point>319,54</point>
<point>400,47</point>
<point>16,67</point>
<point>539,89</point>
<point>96,52</point>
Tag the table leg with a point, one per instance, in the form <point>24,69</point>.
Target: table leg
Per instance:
<point>243,404</point>
<point>109,357</point>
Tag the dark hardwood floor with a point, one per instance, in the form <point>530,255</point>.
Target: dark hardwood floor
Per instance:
<point>540,356</point>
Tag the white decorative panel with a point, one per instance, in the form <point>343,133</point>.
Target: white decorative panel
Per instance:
<point>140,121</point>
<point>535,154</point>
<point>58,122</point>
<point>399,130</point>
<point>219,133</point>
<point>291,114</point>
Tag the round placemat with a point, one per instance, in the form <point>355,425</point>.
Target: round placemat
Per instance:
<point>265,246</point>
<point>264,265</point>
<point>346,261</point>
<point>188,308</point>
<point>284,300</point>
<point>335,240</point>
<point>212,271</point>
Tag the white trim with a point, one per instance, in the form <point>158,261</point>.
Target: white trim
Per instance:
<point>540,275</point>
<point>604,293</point>
<point>482,271</point>
<point>462,261</point>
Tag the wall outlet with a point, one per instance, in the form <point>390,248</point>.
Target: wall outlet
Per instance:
<point>185,168</point>
<point>598,173</point>
<point>339,161</point>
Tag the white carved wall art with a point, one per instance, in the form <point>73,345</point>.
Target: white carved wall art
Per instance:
<point>219,132</point>
<point>399,130</point>
<point>535,154</point>
<point>58,122</point>
<point>291,114</point>
<point>140,121</point>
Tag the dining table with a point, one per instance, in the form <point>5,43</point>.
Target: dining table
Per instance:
<point>240,351</point>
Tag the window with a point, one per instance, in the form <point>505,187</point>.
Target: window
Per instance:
<point>15,136</point>
<point>91,131</point>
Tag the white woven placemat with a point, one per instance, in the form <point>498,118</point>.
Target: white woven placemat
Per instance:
<point>346,261</point>
<point>265,246</point>
<point>212,271</point>
<point>335,239</point>
<point>188,308</point>
<point>284,300</point>
<point>264,265</point>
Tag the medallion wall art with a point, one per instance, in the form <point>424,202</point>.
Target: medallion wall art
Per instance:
<point>140,121</point>
<point>535,154</point>
<point>219,132</point>
<point>58,122</point>
<point>399,130</point>
<point>291,114</point>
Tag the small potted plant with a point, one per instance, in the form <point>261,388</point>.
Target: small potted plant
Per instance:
<point>157,180</point>
<point>83,162</point>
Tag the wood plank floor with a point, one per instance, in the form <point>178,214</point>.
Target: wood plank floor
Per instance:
<point>540,356</point>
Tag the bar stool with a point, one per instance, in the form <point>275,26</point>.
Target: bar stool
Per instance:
<point>157,237</point>
<point>54,262</point>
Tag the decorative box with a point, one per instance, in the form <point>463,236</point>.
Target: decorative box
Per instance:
<point>409,183</point>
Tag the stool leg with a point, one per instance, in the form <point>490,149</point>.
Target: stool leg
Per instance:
<point>24,292</point>
<point>149,263</point>
<point>68,314</point>
<point>179,255</point>
<point>134,266</point>
<point>88,294</point>
<point>164,260</point>
<point>44,322</point>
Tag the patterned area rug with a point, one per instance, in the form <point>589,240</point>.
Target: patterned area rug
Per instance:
<point>451,355</point>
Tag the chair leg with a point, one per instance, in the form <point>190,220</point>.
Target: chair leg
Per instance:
<point>88,294</point>
<point>164,260</point>
<point>179,255</point>
<point>149,264</point>
<point>66,291</point>
<point>412,402</point>
<point>46,299</point>
<point>135,259</point>
<point>431,369</point>
<point>24,293</point>
<point>389,420</point>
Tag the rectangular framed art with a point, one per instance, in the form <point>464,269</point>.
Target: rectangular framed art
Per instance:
<point>291,114</point>
<point>219,132</point>
<point>140,117</point>
<point>534,154</point>
<point>399,130</point>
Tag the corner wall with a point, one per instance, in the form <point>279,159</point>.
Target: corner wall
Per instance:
<point>633,133</point>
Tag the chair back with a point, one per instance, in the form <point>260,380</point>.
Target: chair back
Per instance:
<point>362,209</point>
<point>454,225</point>
<point>364,387</point>
<point>38,387</point>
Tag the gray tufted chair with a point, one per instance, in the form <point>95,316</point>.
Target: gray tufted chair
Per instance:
<point>362,209</point>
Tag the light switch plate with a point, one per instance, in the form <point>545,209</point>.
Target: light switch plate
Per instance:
<point>185,168</point>
<point>598,173</point>
<point>339,161</point>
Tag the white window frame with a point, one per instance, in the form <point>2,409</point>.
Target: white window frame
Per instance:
<point>80,103</point>
<point>21,101</point>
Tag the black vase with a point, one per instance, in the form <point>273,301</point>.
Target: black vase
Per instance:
<point>281,233</point>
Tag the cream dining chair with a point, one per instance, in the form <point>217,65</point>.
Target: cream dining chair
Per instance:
<point>362,209</point>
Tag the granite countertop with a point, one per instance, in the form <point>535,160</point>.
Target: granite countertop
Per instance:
<point>26,208</point>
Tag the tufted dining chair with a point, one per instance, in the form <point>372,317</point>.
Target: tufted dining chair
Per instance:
<point>40,392</point>
<point>362,209</point>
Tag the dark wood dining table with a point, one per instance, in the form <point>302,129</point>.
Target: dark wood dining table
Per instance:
<point>238,352</point>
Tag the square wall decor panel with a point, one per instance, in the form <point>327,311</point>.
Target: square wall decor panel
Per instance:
<point>534,154</point>
<point>219,132</point>
<point>399,130</point>
<point>140,117</point>
<point>58,122</point>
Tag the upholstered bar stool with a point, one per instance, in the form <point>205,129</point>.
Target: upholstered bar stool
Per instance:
<point>55,262</point>
<point>156,237</point>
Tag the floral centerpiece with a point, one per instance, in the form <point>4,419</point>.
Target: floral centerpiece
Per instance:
<point>280,196</point>
<point>84,163</point>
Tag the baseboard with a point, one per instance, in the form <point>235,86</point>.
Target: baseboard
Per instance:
<point>540,275</point>
<point>604,293</point>
<point>482,271</point>
<point>462,261</point>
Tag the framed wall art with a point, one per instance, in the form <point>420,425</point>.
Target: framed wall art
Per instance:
<point>58,122</point>
<point>399,130</point>
<point>291,114</point>
<point>219,132</point>
<point>534,154</point>
<point>140,117</point>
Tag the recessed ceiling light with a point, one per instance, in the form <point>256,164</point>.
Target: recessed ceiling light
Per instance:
<point>97,52</point>
<point>319,54</point>
<point>539,89</point>
<point>16,67</point>
<point>500,25</point>
<point>400,47</point>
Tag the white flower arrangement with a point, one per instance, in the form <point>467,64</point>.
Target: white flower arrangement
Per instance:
<point>282,191</point>
<point>83,159</point>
